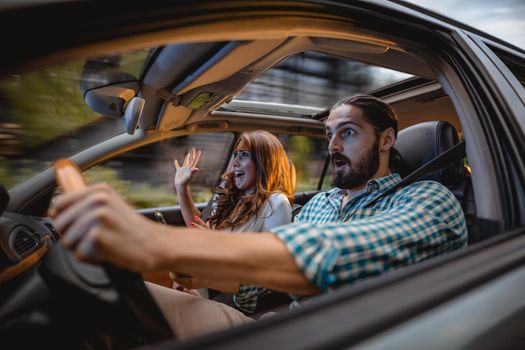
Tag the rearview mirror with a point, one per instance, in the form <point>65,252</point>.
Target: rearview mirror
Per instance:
<point>105,89</point>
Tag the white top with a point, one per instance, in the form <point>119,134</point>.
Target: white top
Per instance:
<point>276,211</point>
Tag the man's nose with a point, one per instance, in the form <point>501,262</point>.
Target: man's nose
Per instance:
<point>335,145</point>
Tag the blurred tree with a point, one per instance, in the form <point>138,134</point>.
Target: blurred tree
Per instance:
<point>42,113</point>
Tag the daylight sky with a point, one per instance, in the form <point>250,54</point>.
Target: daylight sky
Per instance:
<point>504,19</point>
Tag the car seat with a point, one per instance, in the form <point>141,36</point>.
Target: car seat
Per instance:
<point>420,143</point>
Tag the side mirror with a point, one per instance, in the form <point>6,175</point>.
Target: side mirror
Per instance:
<point>105,89</point>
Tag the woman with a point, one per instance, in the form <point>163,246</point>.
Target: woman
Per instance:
<point>255,196</point>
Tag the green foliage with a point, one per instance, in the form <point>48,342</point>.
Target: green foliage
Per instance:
<point>141,194</point>
<point>132,62</point>
<point>301,151</point>
<point>47,103</point>
<point>13,172</point>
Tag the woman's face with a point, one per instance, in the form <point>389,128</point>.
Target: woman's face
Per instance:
<point>244,168</point>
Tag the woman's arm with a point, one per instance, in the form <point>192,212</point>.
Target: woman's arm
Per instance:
<point>187,207</point>
<point>183,176</point>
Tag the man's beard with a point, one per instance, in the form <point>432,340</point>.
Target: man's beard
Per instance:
<point>363,171</point>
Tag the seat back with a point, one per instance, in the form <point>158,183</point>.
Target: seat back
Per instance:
<point>420,143</point>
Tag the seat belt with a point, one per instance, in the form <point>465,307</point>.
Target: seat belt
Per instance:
<point>445,159</point>
<point>206,212</point>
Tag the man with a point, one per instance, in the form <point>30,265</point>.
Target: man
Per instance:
<point>337,239</point>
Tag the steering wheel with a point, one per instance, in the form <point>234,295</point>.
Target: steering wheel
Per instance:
<point>102,299</point>
<point>119,296</point>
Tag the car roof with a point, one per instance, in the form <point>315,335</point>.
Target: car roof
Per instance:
<point>87,24</point>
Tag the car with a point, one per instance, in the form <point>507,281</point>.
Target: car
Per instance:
<point>123,90</point>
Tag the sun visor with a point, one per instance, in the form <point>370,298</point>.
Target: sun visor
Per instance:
<point>214,82</point>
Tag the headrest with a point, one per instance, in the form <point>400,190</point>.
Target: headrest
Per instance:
<point>420,143</point>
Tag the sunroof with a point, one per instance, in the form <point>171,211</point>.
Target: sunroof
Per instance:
<point>317,80</point>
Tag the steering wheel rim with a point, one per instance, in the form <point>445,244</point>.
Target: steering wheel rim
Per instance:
<point>108,290</point>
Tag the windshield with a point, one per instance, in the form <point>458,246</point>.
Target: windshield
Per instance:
<point>43,117</point>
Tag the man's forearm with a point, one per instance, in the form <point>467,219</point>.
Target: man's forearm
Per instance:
<point>257,259</point>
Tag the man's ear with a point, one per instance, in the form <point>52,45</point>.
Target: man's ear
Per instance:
<point>388,139</point>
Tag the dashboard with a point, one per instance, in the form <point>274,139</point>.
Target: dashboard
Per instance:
<point>24,240</point>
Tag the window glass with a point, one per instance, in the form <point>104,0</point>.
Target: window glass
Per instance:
<point>317,80</point>
<point>145,176</point>
<point>44,117</point>
<point>308,156</point>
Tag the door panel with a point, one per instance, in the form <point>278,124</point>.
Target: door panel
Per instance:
<point>172,214</point>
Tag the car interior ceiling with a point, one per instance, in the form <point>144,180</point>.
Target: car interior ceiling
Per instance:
<point>219,77</point>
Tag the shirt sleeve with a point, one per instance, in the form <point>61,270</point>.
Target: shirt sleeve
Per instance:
<point>246,298</point>
<point>424,220</point>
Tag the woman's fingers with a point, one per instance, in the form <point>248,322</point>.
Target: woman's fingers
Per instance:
<point>190,159</point>
<point>200,223</point>
<point>186,159</point>
<point>193,224</point>
<point>196,159</point>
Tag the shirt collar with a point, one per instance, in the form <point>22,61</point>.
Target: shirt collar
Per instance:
<point>382,184</point>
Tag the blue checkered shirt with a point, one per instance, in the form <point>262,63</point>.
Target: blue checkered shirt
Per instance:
<point>334,246</point>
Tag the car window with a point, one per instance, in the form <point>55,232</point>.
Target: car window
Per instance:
<point>308,156</point>
<point>44,117</point>
<point>145,176</point>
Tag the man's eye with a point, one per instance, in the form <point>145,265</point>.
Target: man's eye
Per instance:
<point>348,132</point>
<point>328,137</point>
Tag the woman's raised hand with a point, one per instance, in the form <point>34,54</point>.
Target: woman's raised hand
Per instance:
<point>199,223</point>
<point>184,173</point>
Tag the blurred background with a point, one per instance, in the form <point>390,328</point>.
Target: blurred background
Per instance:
<point>502,18</point>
